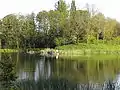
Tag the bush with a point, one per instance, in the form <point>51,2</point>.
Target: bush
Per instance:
<point>116,40</point>
<point>60,41</point>
<point>7,74</point>
<point>92,39</point>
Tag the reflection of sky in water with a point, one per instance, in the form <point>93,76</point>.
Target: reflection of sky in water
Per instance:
<point>39,71</point>
<point>23,75</point>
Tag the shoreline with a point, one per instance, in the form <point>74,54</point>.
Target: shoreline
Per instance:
<point>72,50</point>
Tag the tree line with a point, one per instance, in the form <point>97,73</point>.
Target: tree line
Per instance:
<point>61,26</point>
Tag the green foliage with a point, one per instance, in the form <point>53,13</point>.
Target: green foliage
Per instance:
<point>73,6</point>
<point>61,6</point>
<point>7,74</point>
<point>89,46</point>
<point>116,40</point>
<point>8,50</point>
<point>92,39</point>
<point>10,30</point>
<point>60,41</point>
<point>58,27</point>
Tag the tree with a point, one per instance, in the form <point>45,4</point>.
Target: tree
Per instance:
<point>27,29</point>
<point>54,27</point>
<point>73,6</point>
<point>97,25</point>
<point>42,18</point>
<point>109,29</point>
<point>72,22</point>
<point>117,33</point>
<point>81,25</point>
<point>11,30</point>
<point>61,6</point>
<point>62,29</point>
<point>44,26</point>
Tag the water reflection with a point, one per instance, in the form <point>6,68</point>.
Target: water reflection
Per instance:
<point>40,73</point>
<point>43,69</point>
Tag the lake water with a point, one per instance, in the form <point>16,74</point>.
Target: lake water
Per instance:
<point>36,72</point>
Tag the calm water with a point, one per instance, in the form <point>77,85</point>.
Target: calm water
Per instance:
<point>67,73</point>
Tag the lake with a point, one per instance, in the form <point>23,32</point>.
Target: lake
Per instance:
<point>37,72</point>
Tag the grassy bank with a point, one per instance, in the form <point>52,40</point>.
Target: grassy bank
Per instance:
<point>8,50</point>
<point>90,57</point>
<point>76,49</point>
<point>88,49</point>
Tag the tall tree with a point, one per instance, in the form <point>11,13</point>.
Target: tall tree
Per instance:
<point>54,27</point>
<point>81,25</point>
<point>72,22</point>
<point>11,30</point>
<point>62,7</point>
<point>97,25</point>
<point>27,28</point>
<point>109,29</point>
<point>44,26</point>
<point>73,6</point>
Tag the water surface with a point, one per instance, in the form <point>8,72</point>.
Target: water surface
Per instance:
<point>37,72</point>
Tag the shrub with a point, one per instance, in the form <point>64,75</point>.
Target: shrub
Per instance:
<point>92,39</point>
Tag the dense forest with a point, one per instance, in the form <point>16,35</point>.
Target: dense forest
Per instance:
<point>62,26</point>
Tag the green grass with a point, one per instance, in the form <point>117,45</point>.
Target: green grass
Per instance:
<point>91,57</point>
<point>89,46</point>
<point>87,49</point>
<point>8,50</point>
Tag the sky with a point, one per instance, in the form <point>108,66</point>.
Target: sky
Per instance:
<point>110,8</point>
